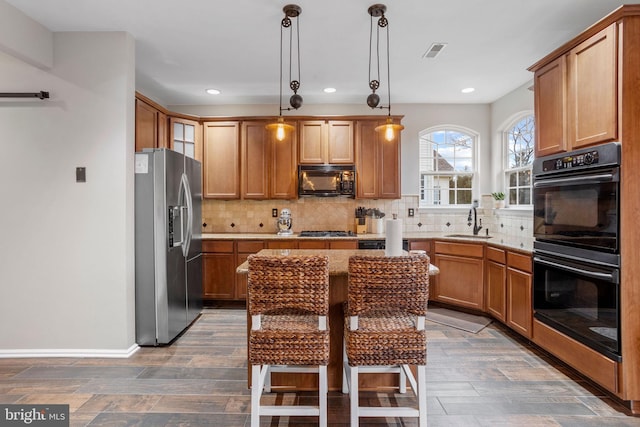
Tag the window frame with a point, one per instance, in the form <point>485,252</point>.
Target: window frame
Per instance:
<point>506,170</point>
<point>475,184</point>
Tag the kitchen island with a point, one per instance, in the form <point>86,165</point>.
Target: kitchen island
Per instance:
<point>338,286</point>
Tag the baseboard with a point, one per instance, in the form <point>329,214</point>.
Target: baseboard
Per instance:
<point>80,353</point>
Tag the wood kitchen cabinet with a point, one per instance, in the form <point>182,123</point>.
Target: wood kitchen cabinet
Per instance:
<point>244,249</point>
<point>420,245</point>
<point>550,101</point>
<point>221,165</point>
<point>377,163</point>
<point>220,260</point>
<point>185,136</point>
<point>593,94</point>
<point>576,96</point>
<point>461,278</point>
<point>508,289</point>
<point>496,283</point>
<point>151,126</point>
<point>218,269</point>
<point>268,166</point>
<point>326,141</point>
<point>254,161</point>
<point>519,293</point>
<point>603,101</point>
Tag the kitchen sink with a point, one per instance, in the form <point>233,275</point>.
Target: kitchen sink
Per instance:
<point>469,236</point>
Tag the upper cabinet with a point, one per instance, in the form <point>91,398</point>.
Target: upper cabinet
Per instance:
<point>592,85</point>
<point>326,141</point>
<point>377,163</point>
<point>576,95</point>
<point>241,159</point>
<point>151,126</point>
<point>268,166</point>
<point>221,171</point>
<point>186,137</point>
<point>551,108</point>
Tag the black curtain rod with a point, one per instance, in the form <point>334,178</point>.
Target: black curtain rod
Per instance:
<point>40,95</point>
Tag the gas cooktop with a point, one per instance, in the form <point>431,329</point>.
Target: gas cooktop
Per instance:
<point>330,233</point>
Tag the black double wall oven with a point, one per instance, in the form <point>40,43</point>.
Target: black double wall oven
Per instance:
<point>576,282</point>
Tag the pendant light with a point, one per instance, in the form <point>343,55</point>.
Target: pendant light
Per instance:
<point>295,102</point>
<point>389,128</point>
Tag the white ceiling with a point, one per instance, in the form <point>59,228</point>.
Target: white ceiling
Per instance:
<point>184,47</point>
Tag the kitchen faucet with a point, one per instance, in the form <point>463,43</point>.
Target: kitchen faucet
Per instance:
<point>472,211</point>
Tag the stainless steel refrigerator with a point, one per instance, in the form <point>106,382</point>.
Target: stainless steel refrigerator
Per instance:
<point>168,247</point>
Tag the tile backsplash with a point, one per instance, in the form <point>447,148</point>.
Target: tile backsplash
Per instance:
<point>254,216</point>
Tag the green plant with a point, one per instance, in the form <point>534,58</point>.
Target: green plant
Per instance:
<point>499,195</point>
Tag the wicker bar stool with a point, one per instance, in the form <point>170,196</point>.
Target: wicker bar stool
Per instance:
<point>384,328</point>
<point>288,300</point>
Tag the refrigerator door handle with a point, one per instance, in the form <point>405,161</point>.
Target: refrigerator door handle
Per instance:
<point>186,228</point>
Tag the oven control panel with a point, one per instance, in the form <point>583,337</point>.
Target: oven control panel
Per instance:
<point>571,161</point>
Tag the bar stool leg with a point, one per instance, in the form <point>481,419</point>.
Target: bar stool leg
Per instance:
<point>256,392</point>
<point>403,381</point>
<point>422,395</point>
<point>324,391</point>
<point>353,396</point>
<point>345,370</point>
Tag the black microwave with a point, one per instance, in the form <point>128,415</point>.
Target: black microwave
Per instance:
<point>327,180</point>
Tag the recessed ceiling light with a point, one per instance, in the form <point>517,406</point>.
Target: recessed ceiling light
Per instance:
<point>468,90</point>
<point>329,89</point>
<point>213,91</point>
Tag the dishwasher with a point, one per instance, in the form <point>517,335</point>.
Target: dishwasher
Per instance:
<point>379,244</point>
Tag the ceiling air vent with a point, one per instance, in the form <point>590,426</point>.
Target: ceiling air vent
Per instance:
<point>434,50</point>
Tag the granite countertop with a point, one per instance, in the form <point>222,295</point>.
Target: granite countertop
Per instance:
<point>338,258</point>
<point>522,244</point>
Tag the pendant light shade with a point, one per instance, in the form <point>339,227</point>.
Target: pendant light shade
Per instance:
<point>389,129</point>
<point>295,102</point>
<point>382,25</point>
<point>280,127</point>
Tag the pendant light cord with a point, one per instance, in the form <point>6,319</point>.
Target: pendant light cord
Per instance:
<point>388,70</point>
<point>291,51</point>
<point>377,49</point>
<point>281,37</point>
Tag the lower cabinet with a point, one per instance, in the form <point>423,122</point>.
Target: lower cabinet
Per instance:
<point>219,269</point>
<point>496,284</point>
<point>519,297</point>
<point>474,276</point>
<point>245,248</point>
<point>420,245</point>
<point>222,257</point>
<point>508,289</point>
<point>220,260</point>
<point>461,278</point>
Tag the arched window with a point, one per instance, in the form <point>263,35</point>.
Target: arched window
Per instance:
<point>519,144</point>
<point>447,166</point>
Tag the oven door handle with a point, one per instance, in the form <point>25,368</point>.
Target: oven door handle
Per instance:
<point>609,277</point>
<point>589,179</point>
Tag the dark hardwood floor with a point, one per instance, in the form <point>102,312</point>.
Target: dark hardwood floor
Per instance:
<point>487,379</point>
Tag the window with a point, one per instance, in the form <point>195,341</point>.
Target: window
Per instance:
<point>447,166</point>
<point>519,141</point>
